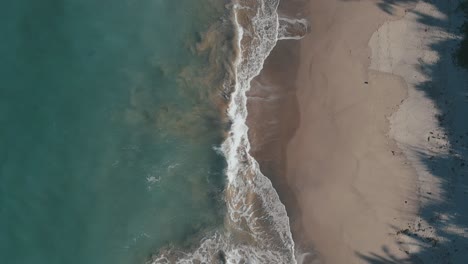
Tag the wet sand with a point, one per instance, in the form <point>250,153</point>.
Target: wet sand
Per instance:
<point>274,117</point>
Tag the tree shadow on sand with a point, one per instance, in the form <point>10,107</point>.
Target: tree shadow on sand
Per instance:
<point>442,227</point>
<point>388,6</point>
<point>389,258</point>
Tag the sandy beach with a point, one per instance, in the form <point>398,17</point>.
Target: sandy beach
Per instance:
<point>350,127</point>
<point>353,186</point>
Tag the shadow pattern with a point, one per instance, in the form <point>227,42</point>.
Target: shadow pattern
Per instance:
<point>442,225</point>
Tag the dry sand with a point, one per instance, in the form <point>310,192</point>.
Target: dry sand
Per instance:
<point>430,126</point>
<point>354,187</point>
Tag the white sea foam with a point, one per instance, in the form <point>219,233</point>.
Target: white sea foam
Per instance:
<point>292,28</point>
<point>257,227</point>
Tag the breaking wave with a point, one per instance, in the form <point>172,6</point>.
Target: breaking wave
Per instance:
<point>256,227</point>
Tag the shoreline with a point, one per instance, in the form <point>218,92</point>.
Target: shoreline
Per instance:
<point>272,99</point>
<point>335,132</point>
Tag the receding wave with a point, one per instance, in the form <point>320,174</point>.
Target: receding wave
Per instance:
<point>256,226</point>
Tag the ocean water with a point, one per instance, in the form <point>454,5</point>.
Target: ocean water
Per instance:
<point>109,117</point>
<point>123,135</point>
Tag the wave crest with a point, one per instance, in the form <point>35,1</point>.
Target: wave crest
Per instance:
<point>257,227</point>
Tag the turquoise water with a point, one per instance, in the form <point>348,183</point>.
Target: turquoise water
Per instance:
<point>108,123</point>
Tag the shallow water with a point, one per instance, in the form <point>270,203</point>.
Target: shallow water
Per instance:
<point>256,229</point>
<point>109,115</point>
